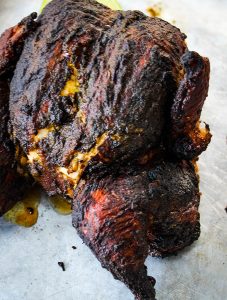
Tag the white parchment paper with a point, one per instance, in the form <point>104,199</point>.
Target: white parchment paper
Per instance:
<point>29,257</point>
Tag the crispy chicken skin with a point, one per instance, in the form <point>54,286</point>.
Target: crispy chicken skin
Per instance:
<point>106,106</point>
<point>12,184</point>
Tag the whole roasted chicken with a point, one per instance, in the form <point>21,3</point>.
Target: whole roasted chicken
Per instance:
<point>103,107</point>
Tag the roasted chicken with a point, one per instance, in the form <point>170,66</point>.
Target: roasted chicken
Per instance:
<point>105,110</point>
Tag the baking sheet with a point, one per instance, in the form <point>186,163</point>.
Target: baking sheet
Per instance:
<point>29,257</point>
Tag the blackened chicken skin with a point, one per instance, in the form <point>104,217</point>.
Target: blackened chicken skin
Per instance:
<point>94,95</point>
<point>12,184</point>
<point>174,217</point>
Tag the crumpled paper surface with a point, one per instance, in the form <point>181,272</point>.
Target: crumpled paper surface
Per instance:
<point>29,257</point>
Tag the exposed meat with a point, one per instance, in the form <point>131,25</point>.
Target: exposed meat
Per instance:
<point>105,105</point>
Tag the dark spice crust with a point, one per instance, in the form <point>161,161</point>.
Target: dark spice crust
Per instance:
<point>12,42</point>
<point>111,214</point>
<point>188,140</point>
<point>12,184</point>
<point>124,216</point>
<point>175,224</point>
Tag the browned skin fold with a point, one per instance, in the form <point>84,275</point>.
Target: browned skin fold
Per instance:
<point>12,42</point>
<point>188,140</point>
<point>105,106</point>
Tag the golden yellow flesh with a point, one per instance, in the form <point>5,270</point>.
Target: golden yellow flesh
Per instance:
<point>72,86</point>
<point>34,156</point>
<point>81,161</point>
<point>43,133</point>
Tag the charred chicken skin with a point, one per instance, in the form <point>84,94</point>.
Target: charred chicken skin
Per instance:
<point>106,106</point>
<point>12,183</point>
<point>136,210</point>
